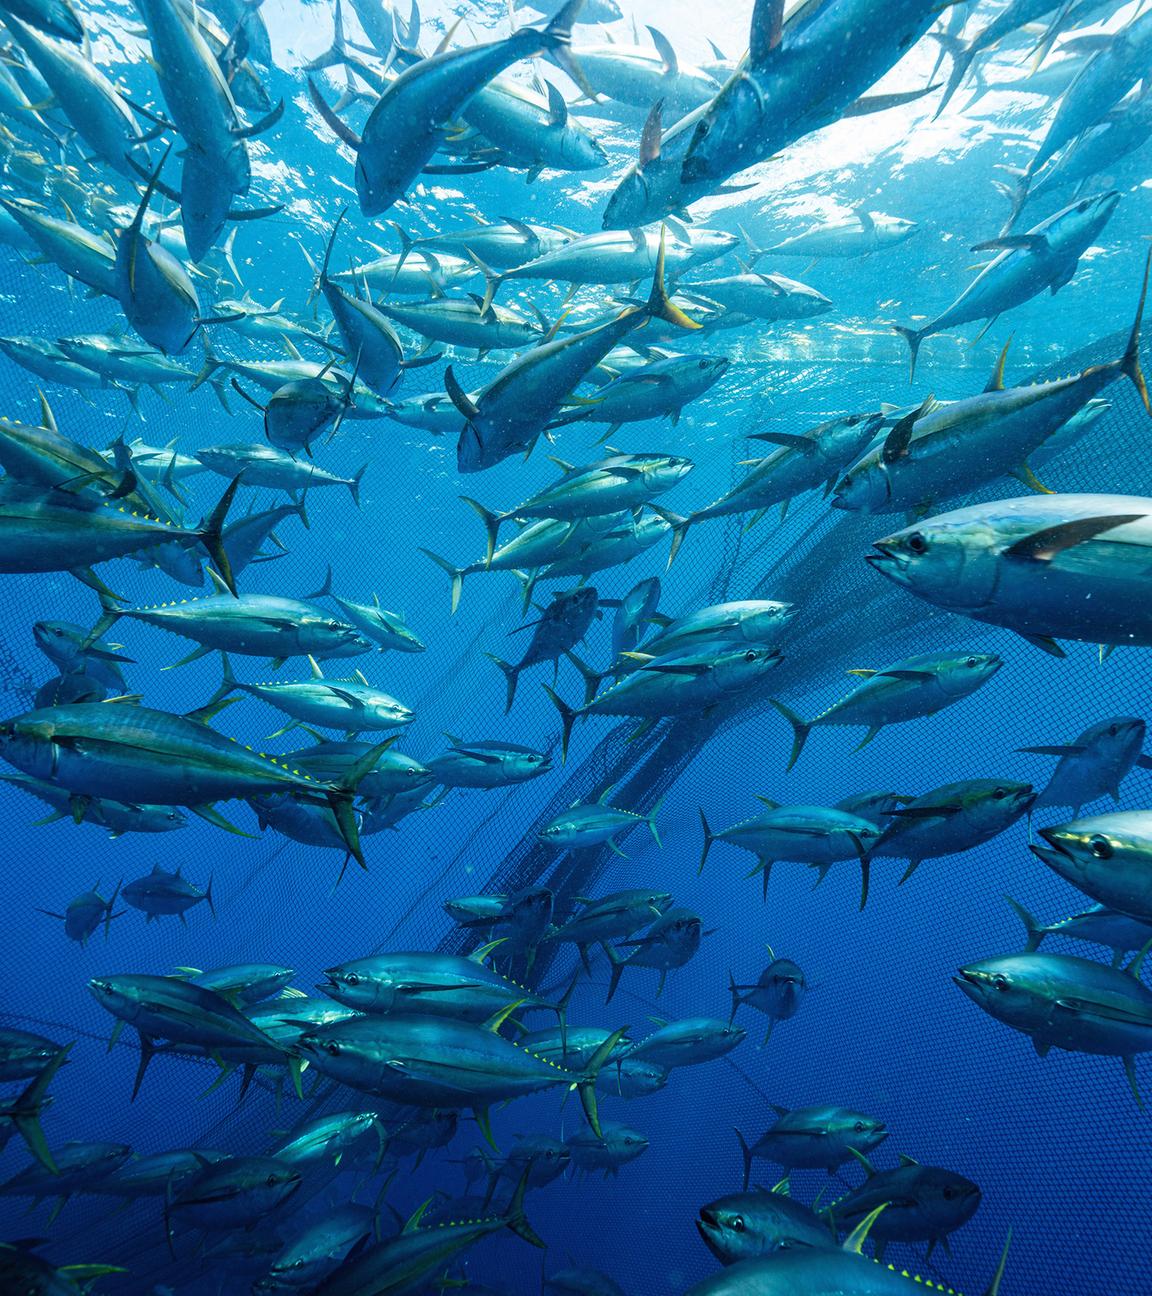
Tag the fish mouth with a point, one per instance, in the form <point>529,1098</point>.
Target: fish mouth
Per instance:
<point>885,553</point>
<point>707,1223</point>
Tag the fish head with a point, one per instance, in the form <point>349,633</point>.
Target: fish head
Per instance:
<point>339,1056</point>
<point>352,985</point>
<point>1078,224</point>
<point>943,1200</point>
<point>634,1078</point>
<point>959,676</point>
<point>1012,988</point>
<point>742,668</point>
<point>334,638</point>
<point>990,805</point>
<point>750,1225</point>
<point>864,488</point>
<point>697,374</point>
<point>1115,743</point>
<point>854,1130</point>
<point>581,151</point>
<point>57,640</point>
<point>723,133</point>
<point>1087,851</point>
<point>375,189</point>
<point>115,995</point>
<point>952,560</point>
<point>662,472</point>
<point>708,244</point>
<point>530,906</point>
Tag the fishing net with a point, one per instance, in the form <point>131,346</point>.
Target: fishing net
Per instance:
<point>1057,1146</point>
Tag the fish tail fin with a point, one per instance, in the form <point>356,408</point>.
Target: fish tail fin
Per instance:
<point>592,678</point>
<point>516,1220</point>
<point>800,730</point>
<point>746,1153</point>
<point>567,719</point>
<point>737,997</point>
<point>456,573</point>
<point>679,527</point>
<point>108,914</point>
<point>109,615</point>
<point>587,1085</point>
<point>511,674</point>
<point>212,362</point>
<point>491,525</point>
<point>228,683</point>
<point>324,589</point>
<point>651,820</point>
<point>618,962</point>
<point>913,337</point>
<point>962,55</point>
<point>1031,926</point>
<point>25,1113</point>
<point>558,33</point>
<point>1130,361</point>
<point>709,838</point>
<point>211,535</point>
<point>354,484</point>
<point>337,52</point>
<point>660,305</point>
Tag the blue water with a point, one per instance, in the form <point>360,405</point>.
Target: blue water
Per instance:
<point>1057,1146</point>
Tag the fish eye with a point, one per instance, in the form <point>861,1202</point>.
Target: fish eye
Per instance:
<point>750,655</point>
<point>335,625</point>
<point>1113,730</point>
<point>853,419</point>
<point>271,1181</point>
<point>972,662</point>
<point>949,1193</point>
<point>859,1127</point>
<point>1001,984</point>
<point>352,979</point>
<point>1084,206</point>
<point>1100,846</point>
<point>738,1224</point>
<point>703,364</point>
<point>332,1048</point>
<point>917,543</point>
<point>999,794</point>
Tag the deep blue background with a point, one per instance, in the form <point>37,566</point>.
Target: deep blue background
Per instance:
<point>1057,1145</point>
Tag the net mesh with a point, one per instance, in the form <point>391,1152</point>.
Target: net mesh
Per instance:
<point>1058,1147</point>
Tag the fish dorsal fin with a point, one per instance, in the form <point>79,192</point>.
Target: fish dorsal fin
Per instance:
<point>651,134</point>
<point>767,30</point>
<point>557,106</point>
<point>290,347</point>
<point>659,1022</point>
<point>47,418</point>
<point>906,1160</point>
<point>478,956</point>
<point>772,805</point>
<point>362,678</point>
<point>125,699</point>
<point>996,382</point>
<point>413,1221</point>
<point>499,1018</point>
<point>446,40</point>
<point>783,1188</point>
<point>562,464</point>
<point>864,674</point>
<point>218,583</point>
<point>602,799</point>
<point>317,673</point>
<point>665,50</point>
<point>898,440</point>
<point>855,1240</point>
<point>780,1111</point>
